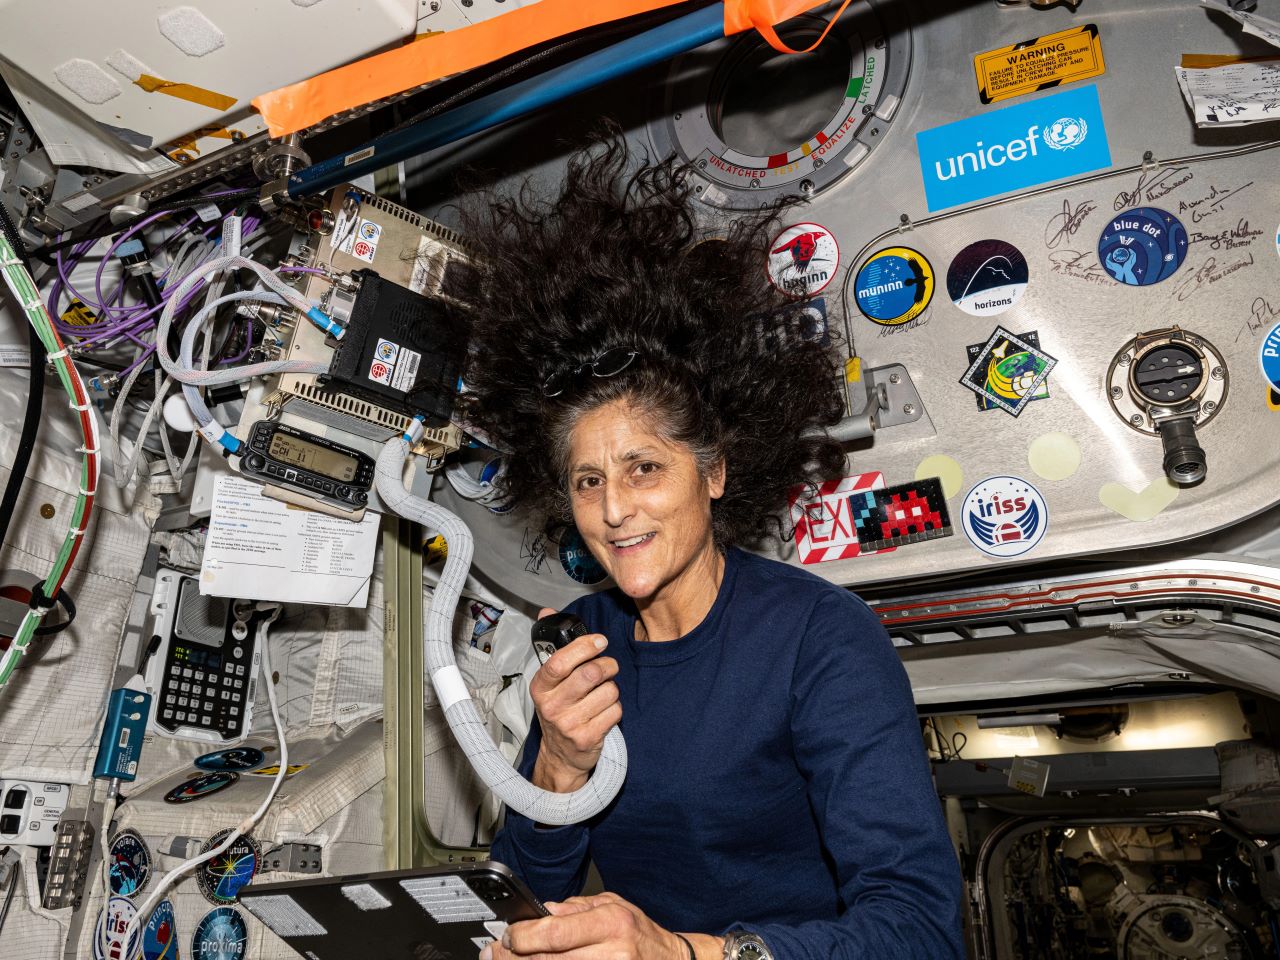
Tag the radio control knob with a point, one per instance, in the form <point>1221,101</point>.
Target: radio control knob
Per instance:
<point>342,492</point>
<point>254,461</point>
<point>362,497</point>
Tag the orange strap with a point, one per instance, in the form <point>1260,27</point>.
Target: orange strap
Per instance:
<point>739,15</point>
<point>303,104</point>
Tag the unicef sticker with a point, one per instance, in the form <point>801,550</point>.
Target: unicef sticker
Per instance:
<point>579,562</point>
<point>894,286</point>
<point>1066,133</point>
<point>1142,246</point>
<point>803,259</point>
<point>987,277</point>
<point>1004,516</point>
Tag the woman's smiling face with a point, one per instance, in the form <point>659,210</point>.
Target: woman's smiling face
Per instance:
<point>638,499</point>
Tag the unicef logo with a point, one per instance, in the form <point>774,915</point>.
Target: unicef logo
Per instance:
<point>1066,132</point>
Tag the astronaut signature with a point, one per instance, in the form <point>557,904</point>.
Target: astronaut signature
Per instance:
<point>1153,185</point>
<point>1261,315</point>
<point>1215,199</point>
<point>1210,272</point>
<point>1062,226</point>
<point>1078,266</point>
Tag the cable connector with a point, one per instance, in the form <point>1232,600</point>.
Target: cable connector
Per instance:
<point>413,432</point>
<point>325,323</point>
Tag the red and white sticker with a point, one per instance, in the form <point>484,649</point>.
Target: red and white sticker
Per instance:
<point>823,520</point>
<point>362,242</point>
<point>803,259</point>
<point>380,372</point>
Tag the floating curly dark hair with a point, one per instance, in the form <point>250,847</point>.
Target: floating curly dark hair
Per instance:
<point>621,260</point>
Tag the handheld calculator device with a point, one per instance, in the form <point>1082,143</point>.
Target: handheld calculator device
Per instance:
<point>203,673</point>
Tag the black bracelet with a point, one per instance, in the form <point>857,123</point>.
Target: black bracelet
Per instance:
<point>692,955</point>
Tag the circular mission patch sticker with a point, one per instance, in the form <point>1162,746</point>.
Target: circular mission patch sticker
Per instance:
<point>1142,246</point>
<point>894,286</point>
<point>987,277</point>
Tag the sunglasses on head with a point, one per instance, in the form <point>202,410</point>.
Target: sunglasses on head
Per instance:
<point>608,364</point>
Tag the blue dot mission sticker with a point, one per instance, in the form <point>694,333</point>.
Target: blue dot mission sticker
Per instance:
<point>1005,516</point>
<point>1142,246</point>
<point>894,286</point>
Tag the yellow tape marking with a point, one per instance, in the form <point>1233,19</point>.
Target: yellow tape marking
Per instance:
<point>186,91</point>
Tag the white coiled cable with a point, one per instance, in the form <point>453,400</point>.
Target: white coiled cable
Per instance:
<point>541,806</point>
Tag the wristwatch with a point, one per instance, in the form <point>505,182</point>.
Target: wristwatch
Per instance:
<point>745,946</point>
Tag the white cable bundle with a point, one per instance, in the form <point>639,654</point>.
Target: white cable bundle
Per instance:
<point>541,806</point>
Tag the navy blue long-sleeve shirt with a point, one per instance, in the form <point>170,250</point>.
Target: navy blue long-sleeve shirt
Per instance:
<point>776,780</point>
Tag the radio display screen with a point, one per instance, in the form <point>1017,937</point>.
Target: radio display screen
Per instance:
<point>313,457</point>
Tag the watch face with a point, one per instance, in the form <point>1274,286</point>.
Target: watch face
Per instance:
<point>751,951</point>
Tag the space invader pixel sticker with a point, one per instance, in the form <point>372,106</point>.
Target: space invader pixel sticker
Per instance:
<point>1008,371</point>
<point>901,514</point>
<point>823,520</point>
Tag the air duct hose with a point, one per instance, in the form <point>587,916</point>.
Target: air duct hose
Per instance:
<point>541,806</point>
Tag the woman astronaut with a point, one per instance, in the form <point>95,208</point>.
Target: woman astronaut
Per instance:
<point>649,383</point>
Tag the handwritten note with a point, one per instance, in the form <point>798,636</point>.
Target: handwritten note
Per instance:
<point>1232,94</point>
<point>1268,30</point>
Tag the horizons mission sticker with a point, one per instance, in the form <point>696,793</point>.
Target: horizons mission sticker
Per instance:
<point>1007,372</point>
<point>1007,378</point>
<point>1004,516</point>
<point>803,259</point>
<point>894,286</point>
<point>1142,246</point>
<point>987,277</point>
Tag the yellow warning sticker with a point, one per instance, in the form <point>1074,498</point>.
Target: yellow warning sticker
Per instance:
<point>1038,64</point>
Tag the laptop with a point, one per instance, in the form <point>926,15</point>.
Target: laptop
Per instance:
<point>432,913</point>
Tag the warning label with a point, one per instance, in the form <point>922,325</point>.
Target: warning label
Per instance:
<point>1022,68</point>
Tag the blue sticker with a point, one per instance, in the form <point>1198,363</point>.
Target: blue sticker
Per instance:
<point>1004,516</point>
<point>1270,357</point>
<point>221,934</point>
<point>222,878</point>
<point>201,786</point>
<point>894,286</point>
<point>1020,146</point>
<point>237,758</point>
<point>160,938</point>
<point>130,863</point>
<point>1142,246</point>
<point>579,562</point>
